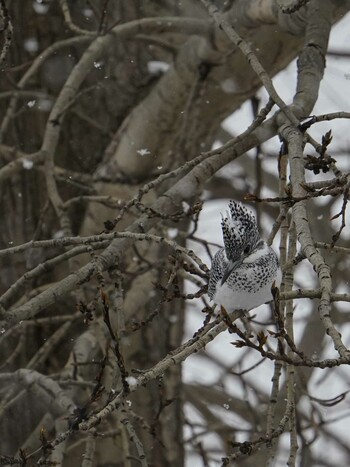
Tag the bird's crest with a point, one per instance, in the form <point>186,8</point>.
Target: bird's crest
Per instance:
<point>239,228</point>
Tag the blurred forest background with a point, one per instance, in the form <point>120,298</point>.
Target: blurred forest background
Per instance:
<point>125,128</point>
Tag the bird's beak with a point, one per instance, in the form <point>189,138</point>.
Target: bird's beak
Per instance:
<point>231,266</point>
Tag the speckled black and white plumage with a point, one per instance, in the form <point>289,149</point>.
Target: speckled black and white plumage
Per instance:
<point>242,272</point>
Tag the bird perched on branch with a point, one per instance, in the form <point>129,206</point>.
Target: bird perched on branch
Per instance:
<point>244,271</point>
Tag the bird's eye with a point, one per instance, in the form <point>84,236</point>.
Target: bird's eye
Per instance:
<point>246,250</point>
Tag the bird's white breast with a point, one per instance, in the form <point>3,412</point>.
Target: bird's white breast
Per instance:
<point>241,300</point>
<point>249,285</point>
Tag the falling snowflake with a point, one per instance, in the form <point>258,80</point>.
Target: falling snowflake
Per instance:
<point>131,380</point>
<point>40,8</point>
<point>31,104</point>
<point>172,233</point>
<point>156,67</point>
<point>87,12</point>
<point>31,45</point>
<point>27,164</point>
<point>143,152</point>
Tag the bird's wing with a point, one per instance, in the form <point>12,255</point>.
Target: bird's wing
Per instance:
<point>217,270</point>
